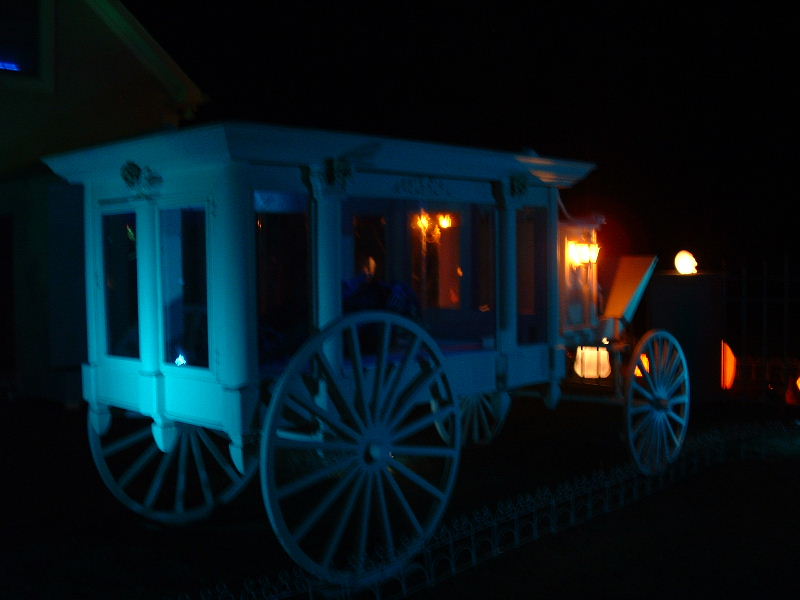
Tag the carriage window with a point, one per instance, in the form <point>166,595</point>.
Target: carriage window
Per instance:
<point>121,291</point>
<point>183,252</point>
<point>436,259</point>
<point>530,299</point>
<point>484,260</point>
<point>284,288</point>
<point>369,234</point>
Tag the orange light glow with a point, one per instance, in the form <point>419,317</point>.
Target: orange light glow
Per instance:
<point>727,366</point>
<point>580,253</point>
<point>423,222</point>
<point>445,221</point>
<point>793,392</point>
<point>592,362</point>
<point>646,362</point>
<point>685,263</point>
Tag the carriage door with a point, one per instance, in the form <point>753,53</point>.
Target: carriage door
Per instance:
<point>184,287</point>
<point>283,277</point>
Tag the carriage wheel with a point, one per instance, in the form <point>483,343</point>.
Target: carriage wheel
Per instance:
<point>354,474</point>
<point>656,401</point>
<point>179,486</point>
<point>483,416</point>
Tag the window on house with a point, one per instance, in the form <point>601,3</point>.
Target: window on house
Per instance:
<point>20,37</point>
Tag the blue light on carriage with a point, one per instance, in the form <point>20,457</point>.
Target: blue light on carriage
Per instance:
<point>9,66</point>
<point>181,360</point>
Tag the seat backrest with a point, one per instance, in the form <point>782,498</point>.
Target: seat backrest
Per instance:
<point>628,286</point>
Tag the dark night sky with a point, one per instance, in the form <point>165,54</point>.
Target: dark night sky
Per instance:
<point>685,110</point>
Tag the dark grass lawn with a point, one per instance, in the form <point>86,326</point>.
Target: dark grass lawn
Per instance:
<point>732,530</point>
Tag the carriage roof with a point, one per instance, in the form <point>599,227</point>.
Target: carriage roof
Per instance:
<point>264,144</point>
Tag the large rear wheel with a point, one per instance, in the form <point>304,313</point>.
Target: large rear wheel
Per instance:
<point>354,474</point>
<point>184,484</point>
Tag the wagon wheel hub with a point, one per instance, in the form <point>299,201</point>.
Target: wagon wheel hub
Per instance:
<point>376,449</point>
<point>661,402</point>
<point>376,452</point>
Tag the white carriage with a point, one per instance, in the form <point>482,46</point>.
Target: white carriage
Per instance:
<point>339,313</point>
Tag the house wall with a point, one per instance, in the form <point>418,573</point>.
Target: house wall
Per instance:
<point>98,91</point>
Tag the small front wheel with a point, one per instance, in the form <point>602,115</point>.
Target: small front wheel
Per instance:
<point>656,401</point>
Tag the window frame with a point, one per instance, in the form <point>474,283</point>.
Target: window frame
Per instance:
<point>43,80</point>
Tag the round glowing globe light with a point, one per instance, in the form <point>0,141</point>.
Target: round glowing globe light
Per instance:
<point>685,263</point>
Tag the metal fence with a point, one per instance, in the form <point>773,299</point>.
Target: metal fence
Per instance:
<point>761,303</point>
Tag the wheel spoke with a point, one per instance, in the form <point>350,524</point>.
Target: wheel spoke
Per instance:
<point>675,383</point>
<point>313,478</point>
<point>673,372</point>
<point>672,435</point>
<point>483,411</point>
<point>638,389</point>
<point>384,510</point>
<point>639,408</point>
<point>214,450</point>
<point>365,514</point>
<point>128,441</point>
<point>643,422</point>
<point>418,479</point>
<point>138,465</point>
<point>327,501</point>
<point>358,369</point>
<point>180,489</point>
<point>425,451</point>
<point>337,397</point>
<point>407,403</point>
<point>336,538</point>
<point>158,479</point>
<point>681,420</point>
<point>659,360</point>
<point>380,367</point>
<point>645,372</point>
<point>290,440</point>
<point>426,421</point>
<point>202,473</point>
<point>659,440</point>
<point>401,497</point>
<point>328,417</point>
<point>385,403</point>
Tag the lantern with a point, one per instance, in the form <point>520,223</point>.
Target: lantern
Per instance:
<point>582,253</point>
<point>592,362</point>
